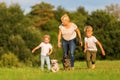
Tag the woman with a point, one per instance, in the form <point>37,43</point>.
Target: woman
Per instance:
<point>68,32</point>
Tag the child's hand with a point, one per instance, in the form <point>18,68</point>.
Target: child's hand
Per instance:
<point>48,54</point>
<point>33,51</point>
<point>103,57</point>
<point>103,52</point>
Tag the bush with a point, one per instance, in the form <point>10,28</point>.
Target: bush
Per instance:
<point>36,61</point>
<point>9,60</point>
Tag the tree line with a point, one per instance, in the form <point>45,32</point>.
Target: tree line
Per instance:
<point>20,33</point>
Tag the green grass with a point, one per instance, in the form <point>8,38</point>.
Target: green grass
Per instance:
<point>105,70</point>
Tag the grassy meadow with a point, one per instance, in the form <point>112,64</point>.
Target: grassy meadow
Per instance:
<point>105,70</point>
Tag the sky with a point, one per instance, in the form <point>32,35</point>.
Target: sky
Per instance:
<point>70,5</point>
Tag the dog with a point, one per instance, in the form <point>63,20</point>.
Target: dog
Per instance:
<point>66,63</point>
<point>55,66</point>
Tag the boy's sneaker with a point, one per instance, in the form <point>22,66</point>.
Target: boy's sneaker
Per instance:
<point>93,66</point>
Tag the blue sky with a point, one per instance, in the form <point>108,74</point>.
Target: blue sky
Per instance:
<point>89,5</point>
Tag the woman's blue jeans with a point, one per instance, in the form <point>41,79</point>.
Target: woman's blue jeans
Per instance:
<point>69,47</point>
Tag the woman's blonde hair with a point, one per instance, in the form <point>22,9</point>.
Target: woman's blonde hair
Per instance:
<point>65,17</point>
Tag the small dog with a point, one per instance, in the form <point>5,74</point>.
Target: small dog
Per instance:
<point>66,63</point>
<point>55,66</point>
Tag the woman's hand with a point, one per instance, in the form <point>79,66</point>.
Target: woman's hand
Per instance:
<point>59,44</point>
<point>81,43</point>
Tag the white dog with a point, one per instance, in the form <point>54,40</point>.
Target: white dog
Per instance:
<point>55,66</point>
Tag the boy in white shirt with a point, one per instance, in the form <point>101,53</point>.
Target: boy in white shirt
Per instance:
<point>90,48</point>
<point>46,50</point>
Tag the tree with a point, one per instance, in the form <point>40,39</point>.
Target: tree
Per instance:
<point>114,9</point>
<point>82,11</point>
<point>106,29</point>
<point>17,35</point>
<point>99,19</point>
<point>41,14</point>
<point>59,12</point>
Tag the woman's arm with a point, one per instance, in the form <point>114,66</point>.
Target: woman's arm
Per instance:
<point>79,35</point>
<point>59,38</point>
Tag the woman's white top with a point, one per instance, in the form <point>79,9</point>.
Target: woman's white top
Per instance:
<point>68,33</point>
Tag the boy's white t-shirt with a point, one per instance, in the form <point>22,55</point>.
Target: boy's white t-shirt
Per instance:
<point>68,34</point>
<point>91,43</point>
<point>45,48</point>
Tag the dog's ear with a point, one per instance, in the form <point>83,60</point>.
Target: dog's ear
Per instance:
<point>55,61</point>
<point>66,57</point>
<point>52,61</point>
